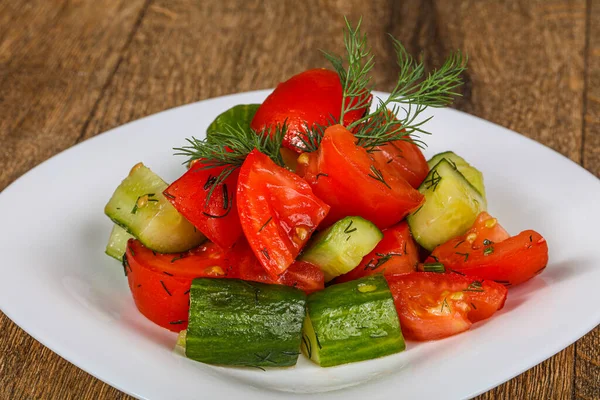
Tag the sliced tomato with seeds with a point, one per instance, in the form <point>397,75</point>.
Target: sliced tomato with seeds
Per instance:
<point>487,251</point>
<point>347,178</point>
<point>313,97</point>
<point>216,218</point>
<point>434,306</point>
<point>396,253</point>
<point>278,212</point>
<point>160,283</point>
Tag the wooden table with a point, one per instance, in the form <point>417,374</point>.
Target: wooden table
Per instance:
<point>70,70</point>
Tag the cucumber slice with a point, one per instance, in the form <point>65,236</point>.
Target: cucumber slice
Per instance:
<point>235,322</point>
<point>342,246</point>
<point>451,206</point>
<point>117,242</point>
<point>472,174</point>
<point>350,322</point>
<point>138,206</point>
<point>241,115</point>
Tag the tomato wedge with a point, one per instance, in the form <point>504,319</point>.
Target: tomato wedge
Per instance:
<point>434,306</point>
<point>309,98</point>
<point>160,283</point>
<point>487,251</point>
<point>396,253</point>
<point>218,219</point>
<point>404,158</point>
<point>346,177</point>
<point>301,275</point>
<point>278,212</point>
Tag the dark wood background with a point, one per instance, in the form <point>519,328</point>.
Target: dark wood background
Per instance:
<point>70,70</point>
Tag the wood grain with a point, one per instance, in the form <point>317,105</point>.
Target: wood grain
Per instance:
<point>587,365</point>
<point>73,70</point>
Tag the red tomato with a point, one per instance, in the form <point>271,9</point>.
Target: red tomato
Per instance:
<point>405,159</point>
<point>396,253</point>
<point>346,177</point>
<point>278,212</point>
<point>433,306</point>
<point>309,98</point>
<point>487,251</point>
<point>218,219</point>
<point>160,283</point>
<point>302,275</point>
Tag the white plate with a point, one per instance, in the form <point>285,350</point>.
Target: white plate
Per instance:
<point>61,288</point>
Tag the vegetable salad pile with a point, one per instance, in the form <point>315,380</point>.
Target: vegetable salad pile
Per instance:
<point>313,223</point>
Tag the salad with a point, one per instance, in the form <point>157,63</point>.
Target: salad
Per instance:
<point>312,223</point>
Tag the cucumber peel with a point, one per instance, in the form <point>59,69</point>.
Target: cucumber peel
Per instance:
<point>351,321</point>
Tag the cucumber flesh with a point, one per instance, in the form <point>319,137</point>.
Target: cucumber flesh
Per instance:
<point>117,242</point>
<point>472,174</point>
<point>341,247</point>
<point>352,321</point>
<point>451,206</point>
<point>139,206</point>
<point>240,323</point>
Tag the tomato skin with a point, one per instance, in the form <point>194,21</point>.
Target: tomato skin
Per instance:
<point>160,283</point>
<point>343,175</point>
<point>301,275</point>
<point>434,306</point>
<point>396,253</point>
<point>507,260</point>
<point>309,98</point>
<point>278,212</point>
<point>405,159</point>
<point>219,220</point>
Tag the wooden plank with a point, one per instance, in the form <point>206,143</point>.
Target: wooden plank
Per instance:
<point>587,363</point>
<point>188,51</point>
<point>55,59</point>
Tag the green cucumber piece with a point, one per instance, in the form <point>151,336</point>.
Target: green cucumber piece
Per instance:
<point>235,322</point>
<point>351,321</point>
<point>341,247</point>
<point>451,206</point>
<point>472,174</point>
<point>241,115</point>
<point>139,206</point>
<point>117,242</point>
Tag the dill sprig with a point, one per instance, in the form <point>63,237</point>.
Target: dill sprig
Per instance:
<point>355,79</point>
<point>230,147</point>
<point>397,117</point>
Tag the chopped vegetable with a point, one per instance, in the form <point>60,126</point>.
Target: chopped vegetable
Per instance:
<point>160,283</point>
<point>117,242</point>
<point>487,251</point>
<point>472,174</point>
<point>240,323</point>
<point>345,176</point>
<point>341,247</point>
<point>138,205</point>
<point>433,306</point>
<point>309,99</point>
<point>210,207</point>
<point>396,253</point>
<point>351,322</point>
<point>278,211</point>
<point>405,159</point>
<point>451,206</point>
